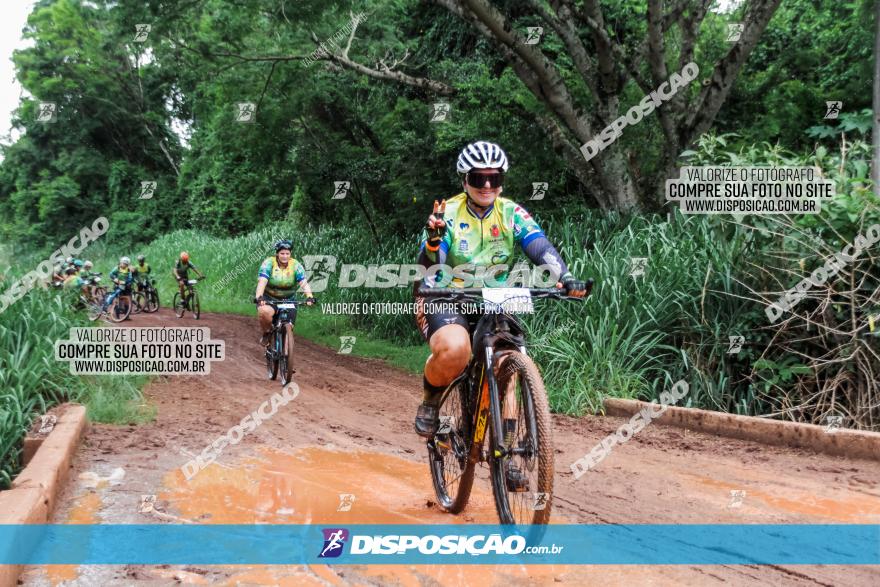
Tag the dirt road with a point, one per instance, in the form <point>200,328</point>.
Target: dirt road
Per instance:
<point>350,432</point>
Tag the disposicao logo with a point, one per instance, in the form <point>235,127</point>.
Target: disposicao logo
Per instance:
<point>334,540</point>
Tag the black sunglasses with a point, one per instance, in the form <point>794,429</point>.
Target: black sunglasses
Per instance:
<point>478,180</point>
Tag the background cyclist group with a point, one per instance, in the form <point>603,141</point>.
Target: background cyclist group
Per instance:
<point>76,274</point>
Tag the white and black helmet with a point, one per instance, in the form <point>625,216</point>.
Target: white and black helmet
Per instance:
<point>482,155</point>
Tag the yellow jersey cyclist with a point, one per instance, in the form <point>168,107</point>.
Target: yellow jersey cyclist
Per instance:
<point>122,276</point>
<point>80,276</point>
<point>142,272</point>
<point>181,272</point>
<point>277,280</point>
<point>476,226</point>
<point>87,279</point>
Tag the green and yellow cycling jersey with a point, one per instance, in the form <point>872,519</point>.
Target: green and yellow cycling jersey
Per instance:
<point>124,275</point>
<point>142,271</point>
<point>72,281</point>
<point>485,241</point>
<point>282,280</point>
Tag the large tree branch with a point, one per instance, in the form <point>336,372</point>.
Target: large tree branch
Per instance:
<point>571,153</point>
<point>657,64</point>
<point>690,26</point>
<point>640,53</point>
<point>564,27</point>
<point>717,89</point>
<point>553,90</point>
<point>385,72</point>
<point>606,48</point>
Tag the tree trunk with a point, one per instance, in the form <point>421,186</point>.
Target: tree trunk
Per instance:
<point>875,173</point>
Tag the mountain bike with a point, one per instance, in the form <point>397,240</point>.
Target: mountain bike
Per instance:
<point>146,297</point>
<point>189,302</point>
<point>99,291</point>
<point>95,293</point>
<point>500,385</point>
<point>279,352</point>
<point>118,310</point>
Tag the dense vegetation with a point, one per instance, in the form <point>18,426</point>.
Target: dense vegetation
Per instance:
<point>319,121</point>
<point>32,381</point>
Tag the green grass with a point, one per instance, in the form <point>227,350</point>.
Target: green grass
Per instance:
<point>31,381</point>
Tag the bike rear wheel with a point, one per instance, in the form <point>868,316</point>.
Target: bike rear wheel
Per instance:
<point>532,446</point>
<point>449,451</point>
<point>179,306</point>
<point>194,301</point>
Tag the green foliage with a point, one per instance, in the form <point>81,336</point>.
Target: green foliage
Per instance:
<point>812,51</point>
<point>111,130</point>
<point>31,381</point>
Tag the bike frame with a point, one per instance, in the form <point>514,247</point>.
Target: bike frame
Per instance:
<point>282,316</point>
<point>492,329</point>
<point>125,291</point>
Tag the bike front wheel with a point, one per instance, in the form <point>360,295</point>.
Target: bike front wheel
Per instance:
<point>452,472</point>
<point>522,481</point>
<point>286,359</point>
<point>179,306</point>
<point>120,309</point>
<point>194,304</point>
<point>152,301</point>
<point>272,354</point>
<point>95,309</point>
<point>139,302</point>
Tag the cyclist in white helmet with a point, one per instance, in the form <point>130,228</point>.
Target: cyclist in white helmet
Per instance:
<point>477,226</point>
<point>123,276</point>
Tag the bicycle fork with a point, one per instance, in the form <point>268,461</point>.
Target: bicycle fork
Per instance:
<point>488,406</point>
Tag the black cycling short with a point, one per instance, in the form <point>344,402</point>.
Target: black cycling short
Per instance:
<point>431,316</point>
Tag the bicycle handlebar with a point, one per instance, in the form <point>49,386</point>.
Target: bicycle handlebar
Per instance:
<point>474,292</point>
<point>274,303</point>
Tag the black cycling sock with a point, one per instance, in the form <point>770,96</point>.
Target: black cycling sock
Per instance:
<point>432,392</point>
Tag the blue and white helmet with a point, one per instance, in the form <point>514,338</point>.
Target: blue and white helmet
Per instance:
<point>482,155</point>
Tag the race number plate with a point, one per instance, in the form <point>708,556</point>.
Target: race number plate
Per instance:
<point>286,306</point>
<point>513,300</point>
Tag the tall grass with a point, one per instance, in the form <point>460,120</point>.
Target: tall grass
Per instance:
<point>632,338</point>
<point>31,381</point>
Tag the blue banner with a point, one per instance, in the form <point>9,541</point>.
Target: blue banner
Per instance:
<point>634,544</point>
